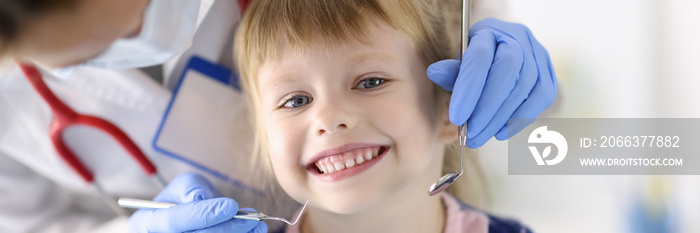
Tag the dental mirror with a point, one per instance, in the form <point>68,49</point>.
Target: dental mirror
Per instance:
<point>449,178</point>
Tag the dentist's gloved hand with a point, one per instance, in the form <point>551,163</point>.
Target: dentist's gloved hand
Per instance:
<point>198,210</point>
<point>505,74</point>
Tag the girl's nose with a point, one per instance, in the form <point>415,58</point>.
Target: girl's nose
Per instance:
<point>331,129</point>
<point>332,118</point>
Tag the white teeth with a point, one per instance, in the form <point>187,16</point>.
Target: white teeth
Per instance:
<point>350,163</point>
<point>360,159</point>
<point>339,166</point>
<point>335,163</point>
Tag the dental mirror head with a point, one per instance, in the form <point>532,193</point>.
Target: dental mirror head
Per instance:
<point>443,183</point>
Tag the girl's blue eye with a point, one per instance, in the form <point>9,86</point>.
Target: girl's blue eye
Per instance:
<point>297,102</point>
<point>370,83</point>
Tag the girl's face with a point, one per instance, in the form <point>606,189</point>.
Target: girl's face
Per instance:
<point>353,124</point>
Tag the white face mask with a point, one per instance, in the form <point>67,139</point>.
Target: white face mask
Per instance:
<point>167,30</point>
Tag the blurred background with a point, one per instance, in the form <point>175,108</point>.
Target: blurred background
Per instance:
<point>613,59</point>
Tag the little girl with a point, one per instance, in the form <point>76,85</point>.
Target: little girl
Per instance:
<point>347,117</point>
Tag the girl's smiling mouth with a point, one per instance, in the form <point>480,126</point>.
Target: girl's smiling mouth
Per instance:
<point>345,161</point>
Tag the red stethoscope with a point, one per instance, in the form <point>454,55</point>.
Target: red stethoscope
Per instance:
<point>64,117</point>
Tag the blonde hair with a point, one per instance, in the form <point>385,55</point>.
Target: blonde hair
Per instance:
<point>269,26</point>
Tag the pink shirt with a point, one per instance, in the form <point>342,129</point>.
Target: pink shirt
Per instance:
<point>459,219</point>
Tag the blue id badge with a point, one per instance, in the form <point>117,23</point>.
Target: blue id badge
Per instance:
<point>206,124</point>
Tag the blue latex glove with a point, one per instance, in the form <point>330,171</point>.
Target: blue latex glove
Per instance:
<point>199,210</point>
<point>505,74</point>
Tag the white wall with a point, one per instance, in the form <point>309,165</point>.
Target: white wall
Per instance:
<point>614,59</point>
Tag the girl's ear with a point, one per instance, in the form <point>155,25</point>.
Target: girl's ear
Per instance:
<point>447,132</point>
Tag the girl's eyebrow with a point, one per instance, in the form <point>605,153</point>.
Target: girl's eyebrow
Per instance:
<point>378,56</point>
<point>279,82</point>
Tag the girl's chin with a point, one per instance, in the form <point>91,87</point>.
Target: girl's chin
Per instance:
<point>347,207</point>
<point>355,201</point>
